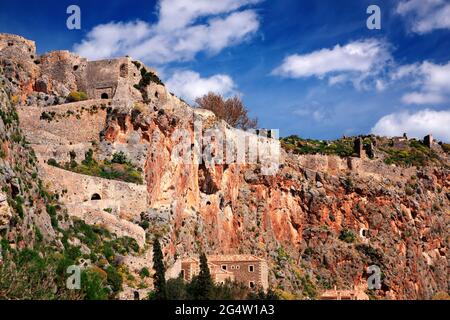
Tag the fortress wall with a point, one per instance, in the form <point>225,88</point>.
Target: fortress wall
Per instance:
<point>335,165</point>
<point>16,42</point>
<point>102,76</point>
<point>97,216</point>
<point>331,164</point>
<point>77,124</point>
<point>128,199</point>
<point>63,69</point>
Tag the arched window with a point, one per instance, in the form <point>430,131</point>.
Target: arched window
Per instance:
<point>96,196</point>
<point>123,70</point>
<point>104,95</point>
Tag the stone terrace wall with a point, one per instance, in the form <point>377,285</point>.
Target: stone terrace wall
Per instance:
<point>335,165</point>
<point>73,127</point>
<point>93,213</point>
<point>130,199</point>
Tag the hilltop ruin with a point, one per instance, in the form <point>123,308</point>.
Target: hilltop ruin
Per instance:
<point>318,222</point>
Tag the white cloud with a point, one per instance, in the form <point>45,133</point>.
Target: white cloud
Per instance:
<point>176,14</point>
<point>355,61</point>
<point>431,79</point>
<point>416,124</point>
<point>184,29</point>
<point>422,98</point>
<point>425,15</point>
<point>190,85</point>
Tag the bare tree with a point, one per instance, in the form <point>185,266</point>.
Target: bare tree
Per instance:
<point>231,110</point>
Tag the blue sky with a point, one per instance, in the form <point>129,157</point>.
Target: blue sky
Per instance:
<point>306,67</point>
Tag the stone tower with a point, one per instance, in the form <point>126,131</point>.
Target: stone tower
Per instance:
<point>358,148</point>
<point>428,141</point>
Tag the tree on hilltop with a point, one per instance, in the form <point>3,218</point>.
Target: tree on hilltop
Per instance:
<point>232,110</point>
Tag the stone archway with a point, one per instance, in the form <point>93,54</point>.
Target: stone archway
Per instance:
<point>104,95</point>
<point>96,196</point>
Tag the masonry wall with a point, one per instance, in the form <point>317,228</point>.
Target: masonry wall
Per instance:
<point>130,198</point>
<point>72,127</point>
<point>241,272</point>
<point>102,76</point>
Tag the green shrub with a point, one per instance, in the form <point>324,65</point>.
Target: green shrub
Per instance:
<point>119,157</point>
<point>446,147</point>
<point>114,279</point>
<point>52,162</point>
<point>347,236</point>
<point>144,273</point>
<point>93,285</point>
<point>75,96</point>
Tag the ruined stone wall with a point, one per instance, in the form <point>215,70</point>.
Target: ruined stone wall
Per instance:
<point>102,77</point>
<point>61,73</point>
<point>335,165</point>
<point>71,127</point>
<point>94,213</point>
<point>15,42</point>
<point>130,199</point>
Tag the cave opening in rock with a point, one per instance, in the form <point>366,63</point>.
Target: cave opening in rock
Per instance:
<point>96,196</point>
<point>104,95</point>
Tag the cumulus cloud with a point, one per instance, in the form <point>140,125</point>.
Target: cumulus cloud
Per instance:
<point>190,85</point>
<point>425,15</point>
<point>416,124</point>
<point>357,61</point>
<point>431,79</point>
<point>184,28</point>
<point>176,14</point>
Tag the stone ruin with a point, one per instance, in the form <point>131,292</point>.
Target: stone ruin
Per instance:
<point>428,141</point>
<point>58,73</point>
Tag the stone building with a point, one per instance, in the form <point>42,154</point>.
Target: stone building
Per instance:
<point>247,269</point>
<point>357,293</point>
<point>63,72</point>
<point>60,72</point>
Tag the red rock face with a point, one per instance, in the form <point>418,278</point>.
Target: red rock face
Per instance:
<point>295,218</point>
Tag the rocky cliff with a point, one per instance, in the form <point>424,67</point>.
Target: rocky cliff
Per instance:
<point>319,220</point>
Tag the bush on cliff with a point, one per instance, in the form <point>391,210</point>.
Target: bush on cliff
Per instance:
<point>113,170</point>
<point>347,236</point>
<point>76,96</point>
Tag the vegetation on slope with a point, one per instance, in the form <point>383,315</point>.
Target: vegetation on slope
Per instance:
<point>76,96</point>
<point>118,168</point>
<point>40,272</point>
<point>342,147</point>
<point>404,153</point>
